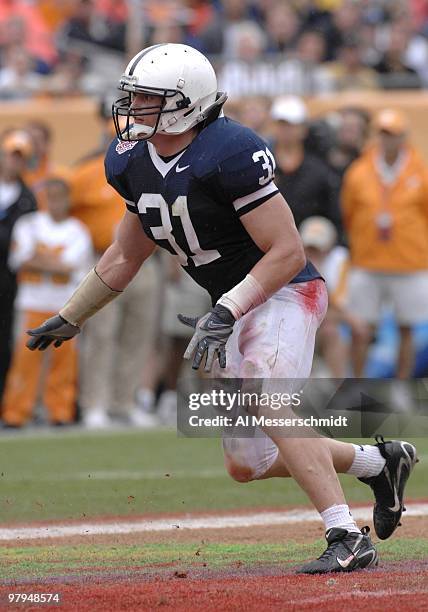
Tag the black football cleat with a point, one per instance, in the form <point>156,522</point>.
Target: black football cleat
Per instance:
<point>345,552</point>
<point>388,486</point>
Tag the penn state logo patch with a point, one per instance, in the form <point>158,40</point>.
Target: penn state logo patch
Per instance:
<point>125,145</point>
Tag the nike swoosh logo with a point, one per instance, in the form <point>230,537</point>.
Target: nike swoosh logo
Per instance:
<point>345,562</point>
<point>213,325</point>
<point>397,506</point>
<point>373,554</point>
<point>178,169</point>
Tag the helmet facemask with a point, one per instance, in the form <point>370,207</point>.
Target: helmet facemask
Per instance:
<point>170,101</point>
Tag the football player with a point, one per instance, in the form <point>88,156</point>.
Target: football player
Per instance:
<point>202,187</point>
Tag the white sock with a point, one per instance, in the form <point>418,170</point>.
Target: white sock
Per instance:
<point>339,516</point>
<point>367,461</point>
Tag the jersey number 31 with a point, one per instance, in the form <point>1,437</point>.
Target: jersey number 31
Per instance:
<point>164,232</point>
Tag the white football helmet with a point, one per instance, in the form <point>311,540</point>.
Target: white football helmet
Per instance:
<point>186,85</point>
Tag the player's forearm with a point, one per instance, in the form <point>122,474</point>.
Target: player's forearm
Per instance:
<point>90,296</point>
<point>278,267</point>
<point>122,260</point>
<point>275,269</point>
<point>272,228</point>
<point>103,284</point>
<point>117,268</point>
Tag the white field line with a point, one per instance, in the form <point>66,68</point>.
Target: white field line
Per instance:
<point>116,475</point>
<point>261,519</point>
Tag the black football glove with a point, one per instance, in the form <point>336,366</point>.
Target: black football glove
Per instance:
<point>56,329</point>
<point>211,334</point>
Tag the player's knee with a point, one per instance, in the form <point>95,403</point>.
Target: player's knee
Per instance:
<point>239,472</point>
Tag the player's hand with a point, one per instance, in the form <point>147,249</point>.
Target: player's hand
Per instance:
<point>211,334</point>
<point>56,329</point>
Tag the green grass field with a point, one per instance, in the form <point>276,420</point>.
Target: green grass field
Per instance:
<point>75,474</point>
<point>40,562</point>
<point>60,475</point>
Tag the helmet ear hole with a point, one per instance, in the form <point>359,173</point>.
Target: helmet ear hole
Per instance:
<point>189,112</point>
<point>183,103</point>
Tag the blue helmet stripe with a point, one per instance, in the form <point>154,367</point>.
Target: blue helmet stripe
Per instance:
<point>141,55</point>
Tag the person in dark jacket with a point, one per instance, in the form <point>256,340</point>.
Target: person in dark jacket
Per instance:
<point>15,200</point>
<point>305,180</point>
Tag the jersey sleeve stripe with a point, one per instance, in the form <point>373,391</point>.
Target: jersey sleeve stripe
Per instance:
<point>245,209</point>
<point>256,195</point>
<point>131,206</point>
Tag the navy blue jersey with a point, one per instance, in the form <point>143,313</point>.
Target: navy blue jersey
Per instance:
<point>191,205</point>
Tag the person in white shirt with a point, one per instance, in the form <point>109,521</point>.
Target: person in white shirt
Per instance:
<point>319,237</point>
<point>51,253</point>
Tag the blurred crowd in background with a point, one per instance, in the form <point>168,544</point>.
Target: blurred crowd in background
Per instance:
<point>356,185</point>
<point>267,47</point>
